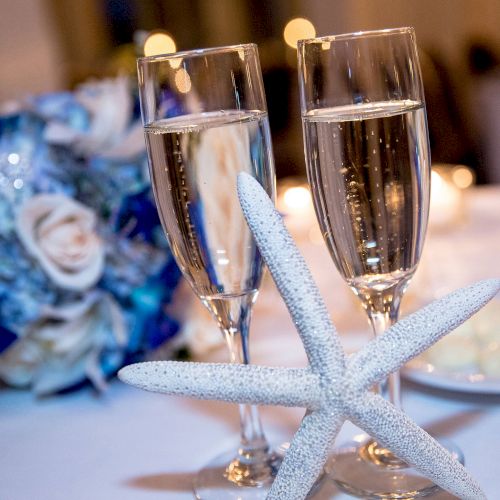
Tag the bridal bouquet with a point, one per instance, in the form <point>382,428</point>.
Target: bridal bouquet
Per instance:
<point>86,276</point>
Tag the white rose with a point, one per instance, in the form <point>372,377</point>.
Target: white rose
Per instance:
<point>60,233</point>
<point>64,346</point>
<point>109,104</point>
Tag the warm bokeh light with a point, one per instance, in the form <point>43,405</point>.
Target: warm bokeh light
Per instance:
<point>462,177</point>
<point>158,43</point>
<point>296,199</point>
<point>446,201</point>
<point>297,29</point>
<point>175,63</point>
<point>437,183</point>
<point>182,81</point>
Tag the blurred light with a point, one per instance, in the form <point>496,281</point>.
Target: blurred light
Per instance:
<point>462,177</point>
<point>296,199</point>
<point>326,45</point>
<point>359,438</point>
<point>446,200</point>
<point>13,158</point>
<point>175,63</point>
<point>297,29</point>
<point>158,43</point>
<point>18,183</point>
<point>182,81</point>
<point>438,185</point>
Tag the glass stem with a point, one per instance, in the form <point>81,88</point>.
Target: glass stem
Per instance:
<point>382,308</point>
<point>253,464</point>
<point>253,441</point>
<point>390,388</point>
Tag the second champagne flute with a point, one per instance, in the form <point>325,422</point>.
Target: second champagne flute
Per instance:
<point>368,164</point>
<point>205,119</point>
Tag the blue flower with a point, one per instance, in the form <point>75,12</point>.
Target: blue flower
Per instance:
<point>6,338</point>
<point>138,216</point>
<point>65,345</point>
<point>87,148</point>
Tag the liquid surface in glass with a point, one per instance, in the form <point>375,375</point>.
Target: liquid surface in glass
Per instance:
<point>368,166</point>
<point>194,162</point>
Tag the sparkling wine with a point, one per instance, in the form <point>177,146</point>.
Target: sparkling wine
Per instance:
<point>194,162</point>
<point>368,166</point>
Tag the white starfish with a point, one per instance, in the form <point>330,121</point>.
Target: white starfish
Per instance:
<point>333,388</point>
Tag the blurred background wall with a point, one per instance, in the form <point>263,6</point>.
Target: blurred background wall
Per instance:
<point>48,45</point>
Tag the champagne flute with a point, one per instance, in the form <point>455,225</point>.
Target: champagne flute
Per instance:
<point>368,164</point>
<point>205,120</point>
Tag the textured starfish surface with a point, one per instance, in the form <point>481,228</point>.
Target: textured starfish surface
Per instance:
<point>333,387</point>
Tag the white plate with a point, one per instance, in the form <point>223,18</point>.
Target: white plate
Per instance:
<point>424,373</point>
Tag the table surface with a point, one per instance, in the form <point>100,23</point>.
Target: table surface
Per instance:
<point>129,444</point>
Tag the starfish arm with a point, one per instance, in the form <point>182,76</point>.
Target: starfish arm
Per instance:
<point>293,279</point>
<point>414,334</point>
<point>235,383</point>
<point>394,430</point>
<point>306,456</point>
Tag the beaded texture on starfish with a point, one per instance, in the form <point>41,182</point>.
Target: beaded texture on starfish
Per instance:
<point>333,387</point>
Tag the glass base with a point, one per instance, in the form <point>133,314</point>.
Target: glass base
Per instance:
<point>365,470</point>
<point>227,477</point>
<point>222,478</point>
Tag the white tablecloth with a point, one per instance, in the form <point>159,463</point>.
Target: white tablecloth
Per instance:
<point>132,445</point>
<point>129,444</point>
